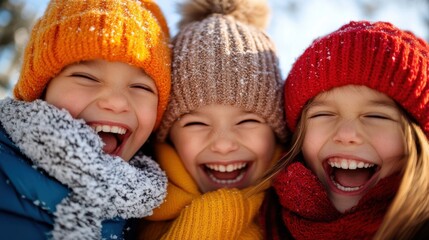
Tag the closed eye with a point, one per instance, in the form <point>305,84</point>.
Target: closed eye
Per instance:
<point>378,116</point>
<point>320,114</point>
<point>143,87</point>
<point>249,121</point>
<point>84,76</point>
<point>189,124</point>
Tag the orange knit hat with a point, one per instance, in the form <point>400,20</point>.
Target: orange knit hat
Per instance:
<point>70,31</point>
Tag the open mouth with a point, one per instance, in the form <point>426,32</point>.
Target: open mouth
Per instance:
<point>113,137</point>
<point>226,175</point>
<point>350,175</point>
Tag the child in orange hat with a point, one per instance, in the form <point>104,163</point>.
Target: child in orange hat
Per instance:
<point>357,104</point>
<point>93,87</point>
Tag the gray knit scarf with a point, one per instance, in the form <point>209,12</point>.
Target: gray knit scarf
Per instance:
<point>102,186</point>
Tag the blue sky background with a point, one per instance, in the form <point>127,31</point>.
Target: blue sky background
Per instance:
<point>296,23</point>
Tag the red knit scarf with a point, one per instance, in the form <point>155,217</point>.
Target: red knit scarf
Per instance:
<point>308,213</point>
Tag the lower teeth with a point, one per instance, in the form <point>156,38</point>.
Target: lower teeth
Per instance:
<point>229,181</point>
<point>345,189</point>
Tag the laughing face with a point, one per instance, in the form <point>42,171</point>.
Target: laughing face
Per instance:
<point>222,146</point>
<point>117,100</point>
<point>353,139</point>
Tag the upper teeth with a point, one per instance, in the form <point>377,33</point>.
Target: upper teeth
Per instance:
<point>111,129</point>
<point>226,168</point>
<point>349,164</point>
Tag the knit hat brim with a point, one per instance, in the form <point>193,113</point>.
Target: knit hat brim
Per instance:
<point>72,31</point>
<point>377,55</point>
<point>219,58</point>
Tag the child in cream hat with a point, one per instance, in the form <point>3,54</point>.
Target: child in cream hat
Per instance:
<point>224,124</point>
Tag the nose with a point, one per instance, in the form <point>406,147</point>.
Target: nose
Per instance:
<point>224,142</point>
<point>348,132</point>
<point>114,101</point>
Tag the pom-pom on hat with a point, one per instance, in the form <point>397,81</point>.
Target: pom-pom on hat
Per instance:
<point>222,55</point>
<point>377,55</point>
<point>70,31</point>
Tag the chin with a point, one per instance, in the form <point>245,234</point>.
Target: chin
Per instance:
<point>344,203</point>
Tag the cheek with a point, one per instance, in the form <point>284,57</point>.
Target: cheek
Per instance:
<point>72,102</point>
<point>311,148</point>
<point>188,152</point>
<point>66,96</point>
<point>146,116</point>
<point>264,157</point>
<point>313,141</point>
<point>260,141</point>
<point>391,149</point>
<point>264,147</point>
<point>187,147</point>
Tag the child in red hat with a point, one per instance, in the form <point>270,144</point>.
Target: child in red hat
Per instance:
<point>357,104</point>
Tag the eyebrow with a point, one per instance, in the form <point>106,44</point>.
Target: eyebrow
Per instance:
<point>86,62</point>
<point>383,103</point>
<point>193,113</point>
<point>380,103</point>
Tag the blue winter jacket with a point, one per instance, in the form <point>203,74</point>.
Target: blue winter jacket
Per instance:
<point>53,184</point>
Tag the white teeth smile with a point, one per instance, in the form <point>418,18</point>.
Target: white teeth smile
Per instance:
<point>226,168</point>
<point>226,182</point>
<point>343,188</point>
<point>109,129</point>
<point>349,164</point>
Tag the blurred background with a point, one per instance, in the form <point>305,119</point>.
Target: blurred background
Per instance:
<point>294,25</point>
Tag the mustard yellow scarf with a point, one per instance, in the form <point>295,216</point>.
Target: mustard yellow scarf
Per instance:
<point>188,214</point>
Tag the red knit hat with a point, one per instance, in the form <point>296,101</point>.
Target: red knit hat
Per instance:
<point>377,55</point>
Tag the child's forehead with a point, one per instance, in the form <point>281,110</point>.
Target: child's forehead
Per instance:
<point>100,63</point>
<point>81,63</point>
<point>218,107</point>
<point>368,94</point>
<point>85,63</point>
<point>93,62</point>
<point>350,88</point>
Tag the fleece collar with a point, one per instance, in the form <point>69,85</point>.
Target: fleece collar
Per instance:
<point>102,186</point>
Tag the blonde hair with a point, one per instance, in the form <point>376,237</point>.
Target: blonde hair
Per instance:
<point>293,145</point>
<point>410,208</point>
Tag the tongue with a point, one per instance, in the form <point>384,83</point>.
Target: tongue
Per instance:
<point>225,175</point>
<point>110,142</point>
<point>352,178</point>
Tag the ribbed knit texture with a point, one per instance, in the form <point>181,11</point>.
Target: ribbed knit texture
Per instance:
<point>70,31</point>
<point>377,55</point>
<point>188,214</point>
<point>219,58</point>
<point>307,212</point>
